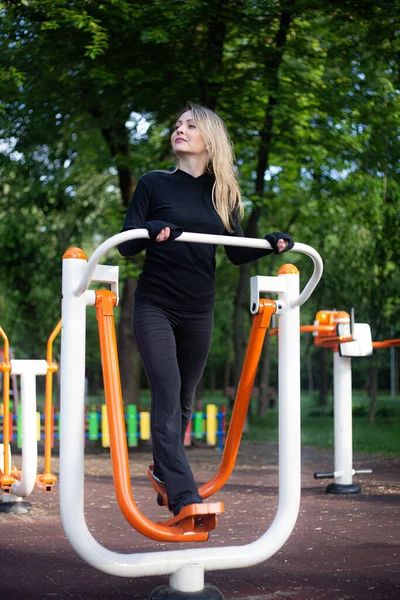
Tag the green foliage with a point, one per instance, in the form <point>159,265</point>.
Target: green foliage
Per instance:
<point>89,93</point>
<point>317,427</point>
<point>360,410</point>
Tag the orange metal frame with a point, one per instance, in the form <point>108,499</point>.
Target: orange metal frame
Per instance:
<point>105,301</point>
<point>386,344</point>
<point>260,324</point>
<point>172,530</point>
<point>325,329</point>
<point>45,481</point>
<point>6,479</point>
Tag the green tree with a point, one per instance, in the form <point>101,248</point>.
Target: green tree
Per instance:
<point>309,93</point>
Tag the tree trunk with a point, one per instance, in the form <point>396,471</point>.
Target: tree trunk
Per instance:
<point>373,386</point>
<point>213,379</point>
<point>395,366</point>
<point>310,377</point>
<point>227,374</point>
<point>213,53</point>
<point>240,309</point>
<point>263,398</point>
<point>129,359</point>
<point>273,60</point>
<point>117,139</point>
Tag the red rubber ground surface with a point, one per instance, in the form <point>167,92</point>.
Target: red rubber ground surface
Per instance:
<point>342,547</point>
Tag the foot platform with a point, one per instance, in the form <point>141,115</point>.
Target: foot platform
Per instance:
<point>196,518</point>
<point>192,519</point>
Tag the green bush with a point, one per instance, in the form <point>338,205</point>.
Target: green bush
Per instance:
<point>317,425</point>
<point>320,412</point>
<point>360,410</point>
<point>387,412</point>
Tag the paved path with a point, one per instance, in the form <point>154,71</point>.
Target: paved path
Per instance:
<point>342,547</point>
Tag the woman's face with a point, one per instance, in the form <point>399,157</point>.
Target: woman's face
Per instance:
<point>186,138</point>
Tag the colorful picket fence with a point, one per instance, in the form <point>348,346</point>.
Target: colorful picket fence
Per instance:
<point>209,426</point>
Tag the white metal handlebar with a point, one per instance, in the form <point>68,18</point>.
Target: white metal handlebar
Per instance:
<point>204,238</point>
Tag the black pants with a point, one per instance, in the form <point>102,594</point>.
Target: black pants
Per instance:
<point>174,346</point>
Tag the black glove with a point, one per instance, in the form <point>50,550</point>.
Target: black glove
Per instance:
<point>273,238</point>
<point>154,228</point>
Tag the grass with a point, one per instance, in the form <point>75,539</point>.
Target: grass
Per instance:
<point>381,437</point>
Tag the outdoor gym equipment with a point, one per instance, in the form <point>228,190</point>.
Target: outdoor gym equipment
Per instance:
<point>185,567</point>
<point>336,330</point>
<point>19,483</point>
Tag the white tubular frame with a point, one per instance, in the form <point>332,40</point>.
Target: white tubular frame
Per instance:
<point>28,370</point>
<point>343,419</point>
<point>202,238</point>
<point>186,567</point>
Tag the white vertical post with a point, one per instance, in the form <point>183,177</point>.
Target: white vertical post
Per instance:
<point>343,417</point>
<point>28,370</point>
<point>29,441</point>
<point>289,400</point>
<point>72,391</point>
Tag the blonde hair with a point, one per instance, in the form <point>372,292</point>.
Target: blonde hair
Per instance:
<point>226,195</point>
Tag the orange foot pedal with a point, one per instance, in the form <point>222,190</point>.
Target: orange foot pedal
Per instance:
<point>158,486</point>
<point>196,518</point>
<point>45,482</point>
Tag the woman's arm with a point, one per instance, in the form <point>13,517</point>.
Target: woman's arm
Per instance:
<point>139,217</point>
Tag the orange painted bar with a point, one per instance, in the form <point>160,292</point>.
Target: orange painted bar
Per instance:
<point>325,329</point>
<point>6,479</point>
<point>11,428</point>
<point>386,344</point>
<point>52,427</point>
<point>309,329</point>
<point>333,341</point>
<point>48,479</point>
<point>105,301</point>
<point>261,322</point>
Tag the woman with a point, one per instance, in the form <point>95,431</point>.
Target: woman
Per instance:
<point>174,299</point>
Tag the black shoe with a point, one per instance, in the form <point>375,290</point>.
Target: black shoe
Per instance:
<point>156,475</point>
